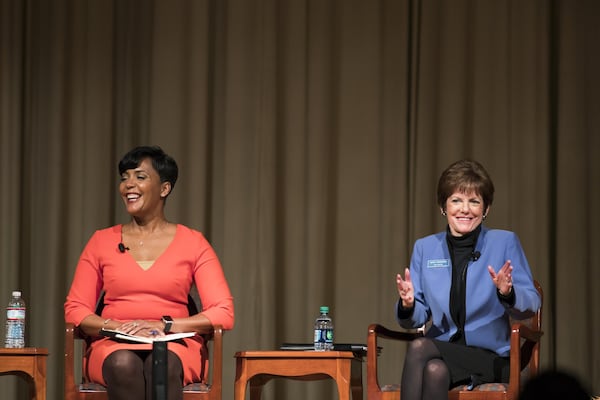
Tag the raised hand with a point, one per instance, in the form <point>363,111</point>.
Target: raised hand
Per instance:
<point>503,278</point>
<point>405,289</point>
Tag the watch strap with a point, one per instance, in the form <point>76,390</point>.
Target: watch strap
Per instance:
<point>168,321</point>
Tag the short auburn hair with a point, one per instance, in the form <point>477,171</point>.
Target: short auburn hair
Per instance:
<point>465,176</point>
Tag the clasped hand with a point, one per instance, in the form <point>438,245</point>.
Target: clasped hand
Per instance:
<point>502,280</point>
<point>141,327</point>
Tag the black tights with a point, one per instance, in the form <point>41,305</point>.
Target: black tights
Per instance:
<point>128,375</point>
<point>425,374</point>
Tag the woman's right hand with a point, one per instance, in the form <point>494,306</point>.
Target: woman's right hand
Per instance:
<point>405,289</point>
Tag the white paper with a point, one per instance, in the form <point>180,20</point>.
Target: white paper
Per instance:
<point>143,339</point>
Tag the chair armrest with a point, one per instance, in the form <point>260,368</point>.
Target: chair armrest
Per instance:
<point>526,332</point>
<point>383,332</point>
<point>217,356</point>
<point>523,354</point>
<point>69,355</point>
<point>379,331</point>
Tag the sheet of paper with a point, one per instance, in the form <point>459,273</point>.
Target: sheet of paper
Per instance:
<point>142,339</point>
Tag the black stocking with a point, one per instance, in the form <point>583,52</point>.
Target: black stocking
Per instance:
<point>123,372</point>
<point>174,378</point>
<point>425,375</point>
<point>128,376</point>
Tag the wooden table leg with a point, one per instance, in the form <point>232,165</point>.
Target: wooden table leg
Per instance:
<point>341,379</point>
<point>356,385</point>
<point>257,383</point>
<point>240,379</point>
<point>39,378</point>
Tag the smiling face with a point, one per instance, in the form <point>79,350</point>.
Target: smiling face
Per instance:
<point>464,212</point>
<point>465,193</point>
<point>142,191</point>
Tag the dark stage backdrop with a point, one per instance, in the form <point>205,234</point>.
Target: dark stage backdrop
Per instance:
<point>310,136</point>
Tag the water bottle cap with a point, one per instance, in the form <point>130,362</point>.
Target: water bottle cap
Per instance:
<point>16,293</point>
<point>324,309</point>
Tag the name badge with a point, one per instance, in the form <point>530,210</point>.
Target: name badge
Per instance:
<point>443,263</point>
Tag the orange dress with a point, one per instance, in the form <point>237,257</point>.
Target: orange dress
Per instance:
<point>134,293</point>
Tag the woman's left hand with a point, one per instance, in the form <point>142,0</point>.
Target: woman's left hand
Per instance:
<point>503,278</point>
<point>142,328</point>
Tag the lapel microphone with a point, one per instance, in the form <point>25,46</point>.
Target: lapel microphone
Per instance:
<point>122,248</point>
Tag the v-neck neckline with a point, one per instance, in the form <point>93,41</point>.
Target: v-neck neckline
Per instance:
<point>151,263</point>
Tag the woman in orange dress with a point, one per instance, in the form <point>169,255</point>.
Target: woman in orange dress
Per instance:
<point>146,269</point>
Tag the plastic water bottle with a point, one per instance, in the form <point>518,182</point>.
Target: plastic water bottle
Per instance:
<point>15,322</point>
<point>323,331</point>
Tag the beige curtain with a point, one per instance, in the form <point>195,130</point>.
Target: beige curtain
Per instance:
<point>310,135</point>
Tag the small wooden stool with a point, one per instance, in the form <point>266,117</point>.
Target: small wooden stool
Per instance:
<point>29,363</point>
<point>258,367</point>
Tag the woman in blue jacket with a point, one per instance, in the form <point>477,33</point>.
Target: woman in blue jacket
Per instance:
<point>465,283</point>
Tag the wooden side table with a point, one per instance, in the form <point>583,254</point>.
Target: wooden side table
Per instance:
<point>29,363</point>
<point>258,367</point>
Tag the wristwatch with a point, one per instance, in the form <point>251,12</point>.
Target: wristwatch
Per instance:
<point>168,321</point>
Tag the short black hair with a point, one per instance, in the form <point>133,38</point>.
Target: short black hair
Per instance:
<point>164,164</point>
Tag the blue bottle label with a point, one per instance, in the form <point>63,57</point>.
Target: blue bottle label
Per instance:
<point>319,337</point>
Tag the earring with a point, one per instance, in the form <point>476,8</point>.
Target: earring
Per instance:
<point>444,213</point>
<point>484,217</point>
